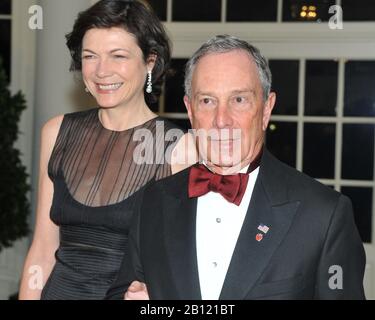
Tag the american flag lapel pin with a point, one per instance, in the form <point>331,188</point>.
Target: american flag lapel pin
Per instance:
<point>262,227</point>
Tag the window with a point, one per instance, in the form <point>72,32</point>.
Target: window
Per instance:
<point>282,140</point>
<point>160,7</point>
<point>285,83</point>
<point>244,10</point>
<point>306,11</point>
<point>259,11</point>
<point>193,10</point>
<point>334,124</point>
<point>358,10</point>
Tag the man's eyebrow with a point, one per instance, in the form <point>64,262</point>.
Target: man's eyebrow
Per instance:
<point>239,91</point>
<point>245,90</point>
<point>204,93</point>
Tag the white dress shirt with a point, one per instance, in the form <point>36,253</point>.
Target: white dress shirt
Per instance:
<point>218,225</point>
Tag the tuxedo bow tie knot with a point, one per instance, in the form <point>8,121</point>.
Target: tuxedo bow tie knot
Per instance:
<point>231,187</point>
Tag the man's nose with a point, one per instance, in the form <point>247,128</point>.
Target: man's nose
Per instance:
<point>103,69</point>
<point>223,117</point>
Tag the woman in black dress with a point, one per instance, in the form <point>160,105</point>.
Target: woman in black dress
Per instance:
<point>93,162</point>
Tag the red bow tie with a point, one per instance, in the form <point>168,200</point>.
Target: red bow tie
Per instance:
<point>231,187</point>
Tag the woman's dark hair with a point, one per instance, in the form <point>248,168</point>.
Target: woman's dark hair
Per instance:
<point>137,19</point>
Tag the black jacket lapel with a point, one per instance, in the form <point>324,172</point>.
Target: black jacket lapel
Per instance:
<point>179,223</point>
<point>269,205</point>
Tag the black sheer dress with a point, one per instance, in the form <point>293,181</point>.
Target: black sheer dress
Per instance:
<point>95,173</point>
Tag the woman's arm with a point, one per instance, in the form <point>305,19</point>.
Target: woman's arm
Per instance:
<point>40,258</point>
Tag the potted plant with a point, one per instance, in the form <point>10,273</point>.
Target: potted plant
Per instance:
<point>14,187</point>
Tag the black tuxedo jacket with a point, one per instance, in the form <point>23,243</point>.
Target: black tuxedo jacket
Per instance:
<point>312,231</point>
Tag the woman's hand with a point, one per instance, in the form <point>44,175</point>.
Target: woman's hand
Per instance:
<point>137,291</point>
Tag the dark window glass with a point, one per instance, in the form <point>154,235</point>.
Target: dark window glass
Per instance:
<point>5,40</point>
<point>245,10</point>
<point>160,7</point>
<point>307,10</point>
<point>358,10</point>
<point>281,140</point>
<point>196,10</point>
<point>319,150</point>
<point>182,123</point>
<point>358,152</point>
<point>5,7</point>
<point>359,88</point>
<point>174,87</point>
<point>321,88</point>
<point>362,206</point>
<point>285,84</point>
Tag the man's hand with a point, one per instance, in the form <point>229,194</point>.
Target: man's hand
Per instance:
<point>137,291</point>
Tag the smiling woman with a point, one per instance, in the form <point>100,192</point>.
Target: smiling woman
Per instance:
<point>89,176</point>
<point>113,68</point>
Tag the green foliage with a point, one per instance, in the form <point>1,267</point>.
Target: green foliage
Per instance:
<point>14,204</point>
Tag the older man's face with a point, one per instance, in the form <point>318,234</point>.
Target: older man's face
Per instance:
<point>227,96</point>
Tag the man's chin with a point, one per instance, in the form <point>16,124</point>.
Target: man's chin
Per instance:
<point>226,167</point>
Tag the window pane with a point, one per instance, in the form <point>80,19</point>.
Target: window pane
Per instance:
<point>196,10</point>
<point>282,141</point>
<point>182,123</point>
<point>358,152</point>
<point>321,88</point>
<point>319,150</point>
<point>245,10</point>
<point>174,87</point>
<point>359,88</point>
<point>5,7</point>
<point>285,84</point>
<point>358,10</point>
<point>160,7</point>
<point>362,206</point>
<point>306,11</point>
<point>5,40</point>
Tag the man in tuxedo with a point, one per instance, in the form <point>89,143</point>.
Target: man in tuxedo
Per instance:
<point>242,225</point>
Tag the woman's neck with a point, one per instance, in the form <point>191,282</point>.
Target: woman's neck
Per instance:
<point>125,117</point>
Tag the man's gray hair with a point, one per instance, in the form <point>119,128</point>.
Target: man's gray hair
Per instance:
<point>223,44</point>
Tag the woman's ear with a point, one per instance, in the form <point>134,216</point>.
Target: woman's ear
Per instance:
<point>151,60</point>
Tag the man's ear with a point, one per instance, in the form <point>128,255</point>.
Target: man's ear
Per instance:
<point>188,106</point>
<point>151,60</point>
<point>267,110</point>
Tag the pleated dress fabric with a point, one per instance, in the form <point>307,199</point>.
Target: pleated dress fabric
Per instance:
<point>96,173</point>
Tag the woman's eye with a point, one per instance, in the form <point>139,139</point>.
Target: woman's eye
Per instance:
<point>240,99</point>
<point>119,57</point>
<point>89,56</point>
